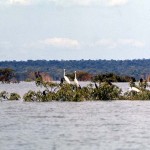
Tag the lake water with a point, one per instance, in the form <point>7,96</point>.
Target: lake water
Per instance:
<point>112,125</point>
<point>24,87</point>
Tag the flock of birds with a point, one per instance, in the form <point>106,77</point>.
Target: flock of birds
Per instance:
<point>66,79</point>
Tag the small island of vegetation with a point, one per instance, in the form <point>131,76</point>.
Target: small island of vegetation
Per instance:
<point>100,88</point>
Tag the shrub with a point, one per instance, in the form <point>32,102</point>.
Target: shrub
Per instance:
<point>14,96</point>
<point>30,96</point>
<point>106,92</point>
<point>4,95</point>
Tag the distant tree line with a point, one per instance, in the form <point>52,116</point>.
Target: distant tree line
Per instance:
<point>135,68</point>
<point>110,77</point>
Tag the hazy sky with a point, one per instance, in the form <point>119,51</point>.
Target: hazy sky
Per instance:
<point>74,29</point>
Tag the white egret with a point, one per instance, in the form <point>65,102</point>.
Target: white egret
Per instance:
<point>75,79</point>
<point>134,89</point>
<point>66,78</point>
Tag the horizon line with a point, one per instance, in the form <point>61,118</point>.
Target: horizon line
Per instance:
<point>75,60</point>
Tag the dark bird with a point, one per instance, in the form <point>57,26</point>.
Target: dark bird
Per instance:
<point>96,86</point>
<point>79,86</point>
<point>61,80</point>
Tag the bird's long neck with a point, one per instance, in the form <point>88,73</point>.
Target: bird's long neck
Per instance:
<point>75,75</point>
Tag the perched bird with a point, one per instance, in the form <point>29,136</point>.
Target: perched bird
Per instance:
<point>45,92</point>
<point>75,79</point>
<point>66,78</point>
<point>141,80</point>
<point>96,86</point>
<point>134,89</point>
<point>61,80</point>
<point>80,87</point>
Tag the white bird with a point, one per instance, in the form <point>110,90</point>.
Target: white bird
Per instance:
<point>75,80</point>
<point>134,89</point>
<point>66,78</point>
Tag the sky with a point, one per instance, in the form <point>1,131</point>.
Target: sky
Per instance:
<point>74,29</point>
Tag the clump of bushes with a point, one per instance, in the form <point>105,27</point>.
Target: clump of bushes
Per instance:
<point>132,95</point>
<point>30,96</point>
<point>106,91</point>
<point>9,96</point>
<point>14,96</point>
<point>4,95</point>
<point>72,93</point>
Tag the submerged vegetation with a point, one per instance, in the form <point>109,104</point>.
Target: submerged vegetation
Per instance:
<point>92,92</point>
<point>9,96</point>
<point>103,91</point>
<point>69,92</point>
<point>101,88</point>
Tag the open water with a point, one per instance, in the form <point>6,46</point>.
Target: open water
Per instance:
<point>113,125</point>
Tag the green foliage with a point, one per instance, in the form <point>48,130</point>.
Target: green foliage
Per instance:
<point>14,96</point>
<point>51,86</point>
<point>143,85</point>
<point>39,96</point>
<point>4,95</point>
<point>39,81</point>
<point>65,93</point>
<point>106,92</point>
<point>69,92</point>
<point>111,77</point>
<point>87,92</point>
<point>30,96</point>
<point>9,96</point>
<point>143,95</point>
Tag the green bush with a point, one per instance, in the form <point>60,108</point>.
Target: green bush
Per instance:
<point>71,93</point>
<point>143,95</point>
<point>106,92</point>
<point>4,95</point>
<point>30,96</point>
<point>14,96</point>
<point>65,93</point>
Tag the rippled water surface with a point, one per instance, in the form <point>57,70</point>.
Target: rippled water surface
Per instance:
<point>113,125</point>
